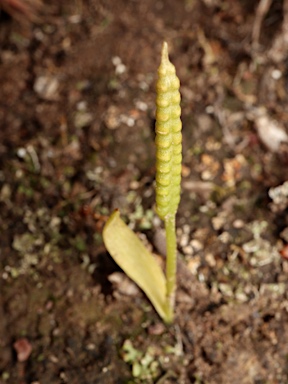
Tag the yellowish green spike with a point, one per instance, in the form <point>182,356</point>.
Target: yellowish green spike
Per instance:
<point>168,138</point>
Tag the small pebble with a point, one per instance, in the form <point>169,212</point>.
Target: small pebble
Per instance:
<point>91,347</point>
<point>54,359</point>
<point>184,240</point>
<point>120,68</point>
<point>21,152</point>
<point>241,296</point>
<point>157,329</point>
<point>218,222</point>
<point>81,106</point>
<point>128,120</point>
<point>46,87</point>
<point>141,106</point>
<point>210,259</point>
<point>186,228</point>
<point>276,74</point>
<point>209,109</point>
<point>207,175</point>
<point>23,349</point>
<point>194,264</point>
<point>112,117</point>
<point>188,250</point>
<point>238,223</point>
<point>196,244</point>
<point>284,234</point>
<point>225,237</point>
<point>185,171</point>
<point>226,289</point>
<point>134,184</point>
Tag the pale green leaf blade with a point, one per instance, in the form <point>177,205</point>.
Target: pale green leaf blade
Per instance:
<point>136,261</point>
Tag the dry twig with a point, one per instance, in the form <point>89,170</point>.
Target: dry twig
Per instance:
<point>261,12</point>
<point>22,10</point>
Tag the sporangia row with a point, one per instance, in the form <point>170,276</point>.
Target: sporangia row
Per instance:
<point>168,138</point>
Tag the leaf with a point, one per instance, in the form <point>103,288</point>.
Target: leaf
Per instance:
<point>136,261</point>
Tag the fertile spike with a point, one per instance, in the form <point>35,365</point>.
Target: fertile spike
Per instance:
<point>168,138</point>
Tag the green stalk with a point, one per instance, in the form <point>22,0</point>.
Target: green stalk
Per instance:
<point>171,265</point>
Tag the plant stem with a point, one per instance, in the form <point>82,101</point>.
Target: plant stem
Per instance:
<point>171,260</point>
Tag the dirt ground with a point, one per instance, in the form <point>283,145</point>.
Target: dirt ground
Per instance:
<point>77,107</point>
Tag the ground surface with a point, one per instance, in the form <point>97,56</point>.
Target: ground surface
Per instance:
<point>76,141</point>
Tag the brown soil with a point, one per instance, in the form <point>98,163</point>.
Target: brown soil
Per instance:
<point>76,141</point>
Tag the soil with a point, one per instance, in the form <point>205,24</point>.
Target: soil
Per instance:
<point>77,107</point>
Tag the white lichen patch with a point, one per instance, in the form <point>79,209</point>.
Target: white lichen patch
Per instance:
<point>261,250</point>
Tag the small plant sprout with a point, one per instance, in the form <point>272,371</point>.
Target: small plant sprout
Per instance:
<point>121,242</point>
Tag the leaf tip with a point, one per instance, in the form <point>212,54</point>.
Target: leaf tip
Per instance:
<point>110,220</point>
<point>164,52</point>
